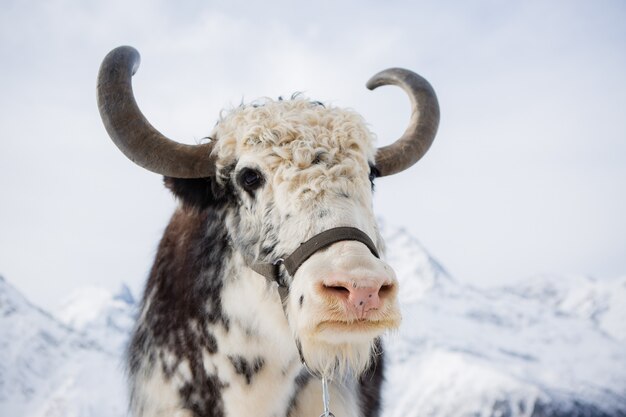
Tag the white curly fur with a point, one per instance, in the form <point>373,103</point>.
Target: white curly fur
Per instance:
<point>316,163</point>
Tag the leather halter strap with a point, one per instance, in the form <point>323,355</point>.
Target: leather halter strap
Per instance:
<point>271,271</point>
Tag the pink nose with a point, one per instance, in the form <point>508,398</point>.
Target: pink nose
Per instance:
<point>364,298</point>
<point>359,300</point>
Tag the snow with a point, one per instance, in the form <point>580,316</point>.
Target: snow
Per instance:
<point>48,369</point>
<point>548,346</point>
<point>551,344</point>
<point>103,317</point>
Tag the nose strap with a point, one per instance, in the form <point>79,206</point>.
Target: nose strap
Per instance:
<point>323,240</point>
<point>271,271</point>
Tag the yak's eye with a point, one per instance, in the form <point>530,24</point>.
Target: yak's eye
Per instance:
<point>250,179</point>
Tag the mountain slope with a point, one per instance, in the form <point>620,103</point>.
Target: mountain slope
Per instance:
<point>48,369</point>
<point>548,346</point>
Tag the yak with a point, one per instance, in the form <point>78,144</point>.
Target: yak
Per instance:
<point>270,274</point>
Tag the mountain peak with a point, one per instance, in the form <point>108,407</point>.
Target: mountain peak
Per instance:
<point>124,295</point>
<point>418,272</point>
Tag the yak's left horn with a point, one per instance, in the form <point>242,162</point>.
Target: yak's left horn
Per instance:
<point>422,129</point>
<point>133,134</point>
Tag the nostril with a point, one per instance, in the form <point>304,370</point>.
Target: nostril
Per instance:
<point>337,290</point>
<point>385,289</point>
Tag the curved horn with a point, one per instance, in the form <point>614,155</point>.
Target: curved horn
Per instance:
<point>422,129</point>
<point>133,134</point>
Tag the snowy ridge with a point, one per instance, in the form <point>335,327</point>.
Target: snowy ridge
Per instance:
<point>99,315</point>
<point>549,346</point>
<point>601,302</point>
<point>48,369</point>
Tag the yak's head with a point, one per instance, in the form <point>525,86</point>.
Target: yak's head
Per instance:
<point>284,171</point>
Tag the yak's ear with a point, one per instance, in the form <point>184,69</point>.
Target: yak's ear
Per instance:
<point>197,193</point>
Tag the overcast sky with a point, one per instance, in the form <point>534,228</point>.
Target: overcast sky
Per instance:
<point>527,174</point>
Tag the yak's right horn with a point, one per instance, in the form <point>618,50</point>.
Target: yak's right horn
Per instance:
<point>133,134</point>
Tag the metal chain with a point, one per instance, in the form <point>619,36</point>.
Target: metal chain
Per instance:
<point>326,399</point>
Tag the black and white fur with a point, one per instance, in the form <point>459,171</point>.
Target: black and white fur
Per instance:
<point>212,338</point>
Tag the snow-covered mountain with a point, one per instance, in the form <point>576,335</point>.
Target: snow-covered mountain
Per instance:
<point>50,369</point>
<point>550,346</point>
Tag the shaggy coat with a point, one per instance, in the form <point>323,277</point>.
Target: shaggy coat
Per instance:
<point>212,338</point>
